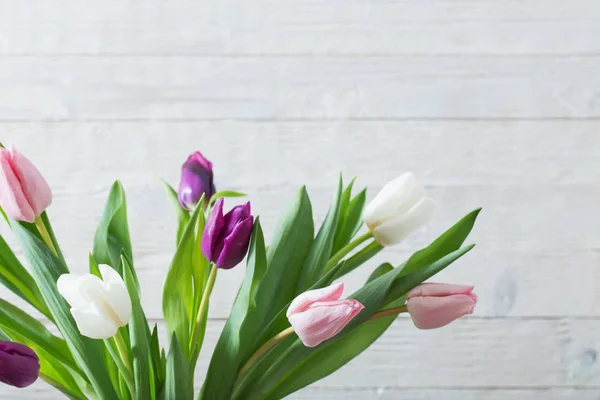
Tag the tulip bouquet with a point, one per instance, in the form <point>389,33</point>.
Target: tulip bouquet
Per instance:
<point>289,326</point>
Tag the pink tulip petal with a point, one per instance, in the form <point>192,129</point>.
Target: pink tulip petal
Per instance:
<point>435,312</point>
<point>34,185</point>
<point>304,300</point>
<point>12,198</point>
<point>324,320</point>
<point>439,290</point>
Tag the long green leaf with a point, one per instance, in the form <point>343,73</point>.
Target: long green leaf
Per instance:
<point>240,329</point>
<point>46,270</point>
<point>288,250</point>
<point>179,383</point>
<point>351,221</point>
<point>178,292</point>
<point>322,245</point>
<point>17,279</point>
<point>112,235</point>
<point>139,334</point>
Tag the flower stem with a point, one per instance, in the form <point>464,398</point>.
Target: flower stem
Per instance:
<point>123,362</point>
<point>41,227</point>
<point>388,313</point>
<point>287,332</point>
<point>203,309</point>
<point>337,257</point>
<point>266,347</point>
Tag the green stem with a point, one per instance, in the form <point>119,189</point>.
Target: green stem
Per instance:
<point>287,332</point>
<point>343,252</point>
<point>123,362</point>
<point>203,309</point>
<point>264,348</point>
<point>388,313</point>
<point>41,227</point>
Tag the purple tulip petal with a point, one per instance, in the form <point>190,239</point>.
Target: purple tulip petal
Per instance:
<point>19,365</point>
<point>196,180</point>
<point>212,231</point>
<point>235,245</point>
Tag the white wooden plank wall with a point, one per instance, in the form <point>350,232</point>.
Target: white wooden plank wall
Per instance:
<point>493,103</point>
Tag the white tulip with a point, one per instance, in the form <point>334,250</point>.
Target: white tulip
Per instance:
<point>401,207</point>
<point>99,306</point>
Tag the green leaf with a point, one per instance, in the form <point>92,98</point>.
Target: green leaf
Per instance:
<point>156,359</point>
<point>179,383</point>
<point>448,242</point>
<point>200,271</point>
<point>18,280</point>
<point>226,193</point>
<point>178,292</point>
<point>48,225</point>
<point>291,242</point>
<point>350,221</point>
<point>183,216</point>
<point>14,319</point>
<point>322,245</point>
<point>112,236</point>
<point>296,366</point>
<point>380,271</point>
<point>46,269</point>
<point>139,334</point>
<point>240,329</point>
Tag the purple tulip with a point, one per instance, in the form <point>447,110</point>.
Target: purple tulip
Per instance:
<point>196,180</point>
<point>227,237</point>
<point>19,365</point>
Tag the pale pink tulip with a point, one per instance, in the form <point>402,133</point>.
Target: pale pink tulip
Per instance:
<point>24,193</point>
<point>318,315</point>
<point>433,305</point>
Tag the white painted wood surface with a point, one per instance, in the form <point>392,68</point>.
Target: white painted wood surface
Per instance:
<point>492,103</point>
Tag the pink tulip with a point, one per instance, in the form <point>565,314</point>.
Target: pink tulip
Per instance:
<point>433,305</point>
<point>24,193</point>
<point>318,315</point>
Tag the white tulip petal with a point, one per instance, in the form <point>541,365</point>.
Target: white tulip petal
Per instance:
<point>391,199</point>
<point>397,229</point>
<point>92,323</point>
<point>76,288</point>
<point>117,294</point>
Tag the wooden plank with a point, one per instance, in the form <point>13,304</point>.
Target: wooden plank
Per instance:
<point>267,27</point>
<point>442,153</point>
<point>477,356</point>
<point>281,88</point>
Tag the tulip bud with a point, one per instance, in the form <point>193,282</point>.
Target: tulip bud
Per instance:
<point>318,315</point>
<point>401,207</point>
<point>227,237</point>
<point>99,306</point>
<point>196,180</point>
<point>19,365</point>
<point>24,193</point>
<point>433,305</point>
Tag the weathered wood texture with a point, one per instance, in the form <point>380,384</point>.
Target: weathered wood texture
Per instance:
<point>492,103</point>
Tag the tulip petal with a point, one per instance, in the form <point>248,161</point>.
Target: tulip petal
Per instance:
<point>304,300</point>
<point>235,245</point>
<point>12,197</point>
<point>76,288</point>
<point>32,181</point>
<point>390,199</point>
<point>93,324</point>
<point>213,231</point>
<point>439,290</point>
<point>19,365</point>
<point>324,320</point>
<point>117,294</point>
<point>435,312</point>
<point>397,229</point>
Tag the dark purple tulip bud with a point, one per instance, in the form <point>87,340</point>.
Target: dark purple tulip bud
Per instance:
<point>227,237</point>
<point>19,365</point>
<point>196,180</point>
